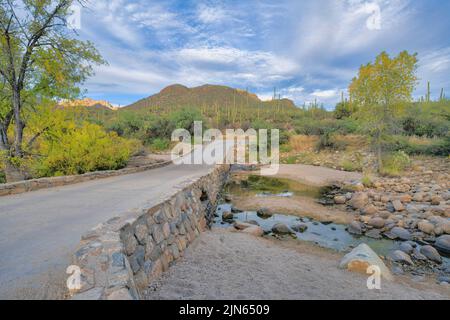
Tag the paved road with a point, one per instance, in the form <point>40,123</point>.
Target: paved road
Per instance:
<point>39,230</point>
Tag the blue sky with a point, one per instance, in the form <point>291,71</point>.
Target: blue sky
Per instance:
<point>308,49</point>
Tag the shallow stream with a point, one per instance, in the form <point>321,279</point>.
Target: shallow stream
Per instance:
<point>327,235</point>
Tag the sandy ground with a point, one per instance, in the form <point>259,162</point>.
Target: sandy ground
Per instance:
<point>222,264</point>
<point>295,205</point>
<point>317,176</point>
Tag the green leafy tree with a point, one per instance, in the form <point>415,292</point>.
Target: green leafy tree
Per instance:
<point>40,58</point>
<point>380,92</point>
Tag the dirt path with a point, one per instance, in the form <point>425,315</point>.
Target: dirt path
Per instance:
<point>223,264</point>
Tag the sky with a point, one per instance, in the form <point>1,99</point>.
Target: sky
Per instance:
<point>307,49</point>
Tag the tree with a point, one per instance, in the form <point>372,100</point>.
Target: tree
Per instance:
<point>380,91</point>
<point>40,58</point>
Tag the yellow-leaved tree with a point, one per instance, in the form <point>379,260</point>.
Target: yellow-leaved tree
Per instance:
<point>65,144</point>
<point>380,92</point>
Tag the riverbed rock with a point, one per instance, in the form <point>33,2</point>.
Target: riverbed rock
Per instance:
<point>359,200</point>
<point>418,197</point>
<point>361,258</point>
<point>355,228</point>
<point>398,205</point>
<point>242,225</point>
<point>443,243</point>
<point>418,256</point>
<point>301,227</point>
<point>227,216</point>
<point>425,226</point>
<point>256,231</point>
<point>376,222</point>
<point>281,228</point>
<point>401,233</point>
<point>431,253</point>
<point>374,234</point>
<point>436,200</point>
<point>264,213</point>
<point>406,247</point>
<point>369,210</point>
<point>340,199</point>
<point>400,257</point>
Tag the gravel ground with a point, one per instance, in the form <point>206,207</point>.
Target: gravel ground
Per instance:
<point>223,264</point>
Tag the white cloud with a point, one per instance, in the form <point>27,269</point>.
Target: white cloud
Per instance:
<point>325,94</point>
<point>210,14</point>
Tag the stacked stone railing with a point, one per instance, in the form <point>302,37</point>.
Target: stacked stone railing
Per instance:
<point>43,183</point>
<point>122,257</point>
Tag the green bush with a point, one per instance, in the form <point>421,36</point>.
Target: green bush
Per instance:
<point>160,144</point>
<point>394,164</point>
<point>2,177</point>
<point>76,149</point>
<point>435,147</point>
<point>367,181</point>
<point>350,166</point>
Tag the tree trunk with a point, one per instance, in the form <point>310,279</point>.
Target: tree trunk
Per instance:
<point>12,173</point>
<point>18,122</point>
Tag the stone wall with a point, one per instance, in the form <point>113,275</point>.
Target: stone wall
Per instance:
<point>120,258</point>
<point>43,183</point>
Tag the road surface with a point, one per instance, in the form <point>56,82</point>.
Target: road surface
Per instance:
<point>39,230</point>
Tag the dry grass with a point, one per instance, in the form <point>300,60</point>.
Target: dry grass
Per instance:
<point>302,143</point>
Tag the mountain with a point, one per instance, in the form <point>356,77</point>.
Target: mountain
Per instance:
<point>88,103</point>
<point>205,96</point>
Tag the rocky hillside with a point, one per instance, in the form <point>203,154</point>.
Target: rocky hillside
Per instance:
<point>88,103</point>
<point>205,96</point>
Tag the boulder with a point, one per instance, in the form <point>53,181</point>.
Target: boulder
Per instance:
<point>355,228</point>
<point>281,228</point>
<point>361,258</point>
<point>406,198</point>
<point>242,225</point>
<point>376,222</point>
<point>401,233</point>
<point>399,256</point>
<point>374,234</point>
<point>436,200</point>
<point>227,215</point>
<point>406,247</point>
<point>264,213</point>
<point>418,197</point>
<point>256,231</point>
<point>443,244</point>
<point>340,199</point>
<point>369,210</point>
<point>398,205</point>
<point>426,227</point>
<point>359,200</point>
<point>431,253</point>
<point>301,227</point>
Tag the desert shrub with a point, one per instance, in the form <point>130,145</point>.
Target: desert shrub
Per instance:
<point>325,141</point>
<point>419,146</point>
<point>328,140</point>
<point>350,166</point>
<point>395,163</point>
<point>77,149</point>
<point>367,181</point>
<point>159,128</point>
<point>160,144</point>
<point>185,118</point>
<point>127,124</point>
<point>347,126</point>
<point>285,148</point>
<point>2,177</point>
